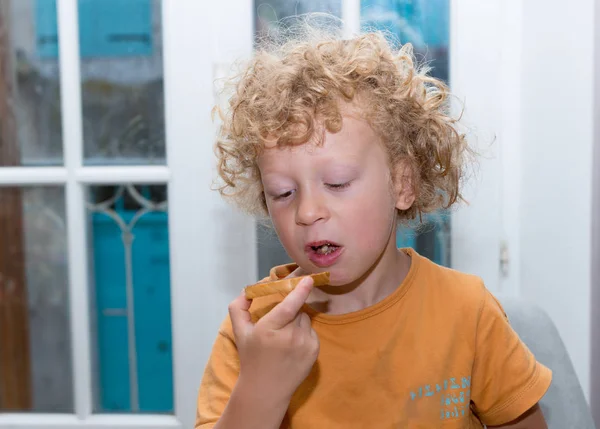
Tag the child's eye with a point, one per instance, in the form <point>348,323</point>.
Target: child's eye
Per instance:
<point>337,186</point>
<point>283,196</point>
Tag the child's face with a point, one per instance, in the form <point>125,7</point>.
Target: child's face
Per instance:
<point>339,193</point>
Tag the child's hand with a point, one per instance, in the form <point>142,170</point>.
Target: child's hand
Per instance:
<point>278,352</point>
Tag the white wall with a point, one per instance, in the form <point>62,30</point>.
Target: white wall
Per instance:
<point>527,80</point>
<point>476,226</point>
<point>556,175</point>
<point>595,301</point>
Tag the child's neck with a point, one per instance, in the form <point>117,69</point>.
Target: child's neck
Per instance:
<point>380,281</point>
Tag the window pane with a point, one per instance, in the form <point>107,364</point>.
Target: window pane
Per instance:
<point>30,116</point>
<point>425,24</point>
<point>132,306</point>
<point>268,14</point>
<point>431,238</point>
<point>35,344</point>
<point>270,251</point>
<point>122,81</point>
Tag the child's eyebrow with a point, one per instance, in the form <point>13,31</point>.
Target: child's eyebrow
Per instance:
<point>275,177</point>
<point>342,168</point>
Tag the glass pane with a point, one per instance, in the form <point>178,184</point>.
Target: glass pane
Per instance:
<point>35,344</point>
<point>122,81</point>
<point>267,19</point>
<point>30,115</point>
<point>132,307</point>
<point>268,15</point>
<point>425,24</point>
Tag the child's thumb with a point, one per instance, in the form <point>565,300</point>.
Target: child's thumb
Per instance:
<point>240,316</point>
<point>287,310</point>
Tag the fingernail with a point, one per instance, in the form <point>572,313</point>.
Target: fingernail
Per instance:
<point>307,280</point>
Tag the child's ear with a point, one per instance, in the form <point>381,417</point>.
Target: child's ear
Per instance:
<point>404,191</point>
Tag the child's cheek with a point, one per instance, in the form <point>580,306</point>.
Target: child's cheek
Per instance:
<point>370,222</point>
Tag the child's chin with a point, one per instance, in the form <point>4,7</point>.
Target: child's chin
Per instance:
<point>337,275</point>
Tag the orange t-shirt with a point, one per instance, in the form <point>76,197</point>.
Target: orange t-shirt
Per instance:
<point>438,352</point>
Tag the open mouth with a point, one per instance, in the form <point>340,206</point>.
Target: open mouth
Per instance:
<point>324,253</point>
<point>325,249</point>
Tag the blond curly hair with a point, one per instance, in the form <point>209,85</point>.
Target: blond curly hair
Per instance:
<point>289,91</point>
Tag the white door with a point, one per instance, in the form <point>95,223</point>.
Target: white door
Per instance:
<point>486,51</point>
<point>113,274</point>
<point>117,261</point>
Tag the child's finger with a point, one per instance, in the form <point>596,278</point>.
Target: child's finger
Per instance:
<point>304,322</point>
<point>239,315</point>
<point>287,310</point>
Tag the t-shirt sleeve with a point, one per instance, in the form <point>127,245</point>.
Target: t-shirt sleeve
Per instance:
<point>507,380</point>
<point>220,375</point>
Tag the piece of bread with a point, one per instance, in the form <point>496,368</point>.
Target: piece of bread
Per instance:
<point>283,286</point>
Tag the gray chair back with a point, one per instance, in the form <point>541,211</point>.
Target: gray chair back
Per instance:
<point>564,405</point>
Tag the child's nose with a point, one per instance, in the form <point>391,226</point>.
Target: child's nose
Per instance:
<point>310,209</point>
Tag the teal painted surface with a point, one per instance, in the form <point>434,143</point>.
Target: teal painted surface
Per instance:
<point>430,239</point>
<point>151,279</point>
<point>420,22</point>
<point>107,28</point>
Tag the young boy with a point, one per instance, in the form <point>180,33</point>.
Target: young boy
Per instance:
<point>338,141</point>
